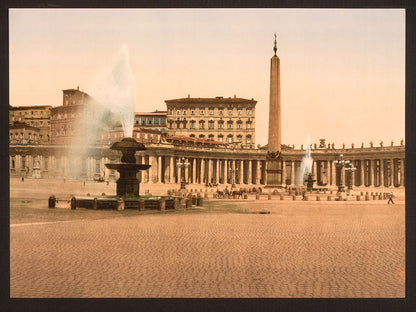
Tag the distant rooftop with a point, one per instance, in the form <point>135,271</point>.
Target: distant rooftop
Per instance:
<point>215,100</point>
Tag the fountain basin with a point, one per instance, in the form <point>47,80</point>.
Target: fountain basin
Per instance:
<point>130,202</point>
<point>127,166</point>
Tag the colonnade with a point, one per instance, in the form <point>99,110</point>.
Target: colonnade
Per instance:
<point>373,167</point>
<point>165,169</point>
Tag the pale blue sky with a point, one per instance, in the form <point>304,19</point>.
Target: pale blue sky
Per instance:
<point>342,70</point>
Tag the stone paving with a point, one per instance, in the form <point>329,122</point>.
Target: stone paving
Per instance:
<point>300,249</point>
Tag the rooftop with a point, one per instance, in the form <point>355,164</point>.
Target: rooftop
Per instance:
<point>215,100</point>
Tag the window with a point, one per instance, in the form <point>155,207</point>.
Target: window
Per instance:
<point>13,163</point>
<point>230,125</point>
<point>184,112</point>
<point>143,120</point>
<point>210,124</point>
<point>248,139</point>
<point>192,124</point>
<point>221,111</point>
<point>202,136</point>
<point>201,124</point>
<point>46,167</point>
<point>192,112</point>
<point>23,162</point>
<point>211,137</point>
<point>162,120</point>
<point>192,135</point>
<point>230,112</point>
<point>239,112</point>
<point>178,112</point>
<point>248,124</point>
<point>201,111</point>
<point>239,125</point>
<point>211,111</point>
<point>230,139</point>
<point>249,111</point>
<point>220,124</point>
<point>170,124</point>
<point>156,120</point>
<point>220,138</point>
<point>149,120</point>
<point>170,112</point>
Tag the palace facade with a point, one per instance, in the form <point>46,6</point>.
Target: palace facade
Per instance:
<point>230,120</point>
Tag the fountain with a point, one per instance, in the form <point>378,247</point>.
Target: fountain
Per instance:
<point>116,91</point>
<point>306,166</point>
<point>127,184</point>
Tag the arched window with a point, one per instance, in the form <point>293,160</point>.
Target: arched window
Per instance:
<point>192,135</point>
<point>201,124</point>
<point>202,136</point>
<point>229,124</point>
<point>248,139</point>
<point>230,138</point>
<point>239,138</point>
<point>220,124</point>
<point>192,123</point>
<point>211,124</point>
<point>211,137</point>
<point>220,138</point>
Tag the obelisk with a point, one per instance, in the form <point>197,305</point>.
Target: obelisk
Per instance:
<point>273,158</point>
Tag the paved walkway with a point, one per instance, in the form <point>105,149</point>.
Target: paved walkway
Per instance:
<point>300,249</point>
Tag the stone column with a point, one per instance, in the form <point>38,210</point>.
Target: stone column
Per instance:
<point>241,172</point>
<point>333,174</point>
<point>381,172</point>
<point>315,172</point>
<point>292,174</point>
<point>172,169</point>
<point>362,172</point>
<point>202,181</point>
<point>194,161</point>
<point>159,169</point>
<point>250,172</point>
<point>402,172</point>
<point>152,169</point>
<point>210,170</point>
<point>225,171</point>
<point>371,172</point>
<point>258,173</point>
<point>284,172</point>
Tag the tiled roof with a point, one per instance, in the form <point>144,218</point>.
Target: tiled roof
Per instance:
<point>193,140</point>
<point>215,100</point>
<point>29,107</point>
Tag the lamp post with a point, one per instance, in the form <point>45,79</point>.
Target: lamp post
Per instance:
<point>350,170</point>
<point>182,164</point>
<point>233,172</point>
<point>341,163</point>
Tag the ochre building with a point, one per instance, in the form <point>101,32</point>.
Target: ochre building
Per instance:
<point>230,120</point>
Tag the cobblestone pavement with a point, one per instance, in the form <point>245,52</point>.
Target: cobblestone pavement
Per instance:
<point>300,249</point>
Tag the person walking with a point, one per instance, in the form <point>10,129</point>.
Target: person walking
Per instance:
<point>391,195</point>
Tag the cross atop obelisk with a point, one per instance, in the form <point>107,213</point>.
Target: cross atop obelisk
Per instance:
<point>274,162</point>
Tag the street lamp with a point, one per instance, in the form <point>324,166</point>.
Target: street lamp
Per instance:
<point>232,173</point>
<point>350,170</point>
<point>182,164</point>
<point>341,163</point>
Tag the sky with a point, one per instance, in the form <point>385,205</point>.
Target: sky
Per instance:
<point>342,70</point>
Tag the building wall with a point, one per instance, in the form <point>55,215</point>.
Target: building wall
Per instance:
<point>35,116</point>
<point>219,119</point>
<point>155,120</point>
<point>65,119</point>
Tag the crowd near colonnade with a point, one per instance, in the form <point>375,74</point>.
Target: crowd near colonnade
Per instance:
<point>374,167</point>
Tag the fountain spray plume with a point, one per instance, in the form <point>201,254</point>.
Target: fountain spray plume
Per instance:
<point>116,90</point>
<point>306,166</point>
